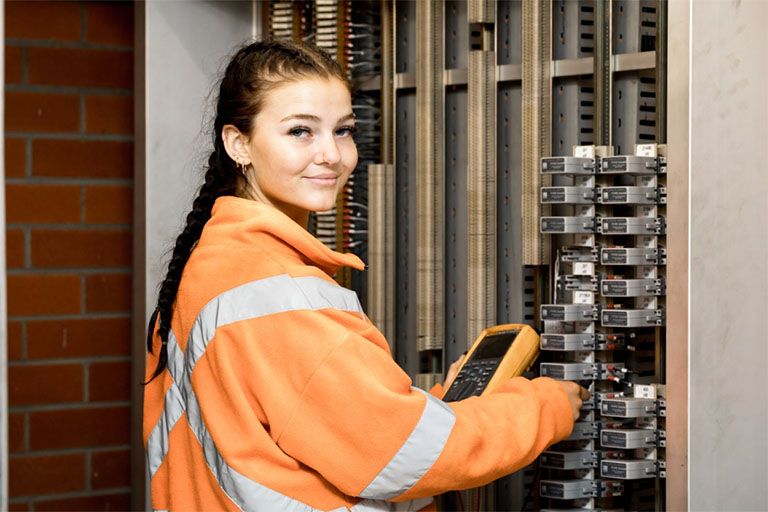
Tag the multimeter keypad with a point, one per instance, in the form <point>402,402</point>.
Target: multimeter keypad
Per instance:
<point>472,379</point>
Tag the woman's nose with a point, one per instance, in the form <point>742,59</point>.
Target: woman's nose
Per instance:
<point>328,151</point>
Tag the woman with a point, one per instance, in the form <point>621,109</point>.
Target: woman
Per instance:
<point>269,389</point>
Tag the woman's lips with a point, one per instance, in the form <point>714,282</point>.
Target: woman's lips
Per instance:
<point>327,180</point>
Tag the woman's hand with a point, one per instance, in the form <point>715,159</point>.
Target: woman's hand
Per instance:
<point>454,369</point>
<point>576,396</point>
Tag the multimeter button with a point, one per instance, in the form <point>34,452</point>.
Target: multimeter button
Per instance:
<point>469,389</point>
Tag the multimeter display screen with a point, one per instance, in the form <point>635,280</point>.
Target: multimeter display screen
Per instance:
<point>495,346</point>
<point>479,369</point>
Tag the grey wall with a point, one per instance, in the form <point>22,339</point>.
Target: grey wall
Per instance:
<point>187,45</point>
<point>181,48</point>
<point>729,256</point>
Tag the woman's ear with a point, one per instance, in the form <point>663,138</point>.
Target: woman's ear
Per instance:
<point>236,144</point>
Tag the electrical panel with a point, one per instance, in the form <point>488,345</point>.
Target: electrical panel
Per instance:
<point>605,326</point>
<point>512,169</point>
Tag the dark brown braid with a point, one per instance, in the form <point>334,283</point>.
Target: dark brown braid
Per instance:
<point>253,71</point>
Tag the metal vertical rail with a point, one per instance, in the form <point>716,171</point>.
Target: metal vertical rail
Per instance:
<point>387,82</point>
<point>429,177</point>
<point>381,199</point>
<point>603,73</point>
<point>404,16</point>
<point>381,249</point>
<point>661,72</point>
<point>481,11</point>
<point>536,132</point>
<point>678,271</point>
<point>481,175</point>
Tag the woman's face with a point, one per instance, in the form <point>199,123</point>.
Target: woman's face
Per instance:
<point>301,147</point>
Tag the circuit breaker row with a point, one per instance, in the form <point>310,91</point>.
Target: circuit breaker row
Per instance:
<point>606,213</point>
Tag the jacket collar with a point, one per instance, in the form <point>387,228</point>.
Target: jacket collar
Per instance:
<point>254,217</point>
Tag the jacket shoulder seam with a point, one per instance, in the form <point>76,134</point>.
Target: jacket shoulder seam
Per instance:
<point>300,398</point>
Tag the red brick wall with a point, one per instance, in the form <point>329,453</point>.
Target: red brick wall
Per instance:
<point>69,176</point>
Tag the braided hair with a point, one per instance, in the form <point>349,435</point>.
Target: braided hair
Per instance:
<point>254,70</point>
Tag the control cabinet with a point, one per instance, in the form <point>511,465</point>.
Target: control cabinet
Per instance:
<point>513,170</point>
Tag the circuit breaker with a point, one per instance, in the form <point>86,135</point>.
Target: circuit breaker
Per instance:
<point>609,286</point>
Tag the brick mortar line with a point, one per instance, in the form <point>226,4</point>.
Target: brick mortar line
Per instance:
<point>69,406</point>
<point>70,271</point>
<point>86,381</point>
<point>24,350</point>
<point>78,271</point>
<point>82,203</point>
<point>81,112</point>
<point>78,45</point>
<point>42,180</point>
<point>64,361</point>
<point>26,432</point>
<point>27,247</point>
<point>69,89</point>
<point>24,66</point>
<point>83,23</point>
<point>71,136</point>
<point>78,494</point>
<point>90,271</point>
<point>72,316</point>
<point>59,406</point>
<point>88,471</point>
<point>83,293</point>
<point>69,226</point>
<point>71,451</point>
<point>28,156</point>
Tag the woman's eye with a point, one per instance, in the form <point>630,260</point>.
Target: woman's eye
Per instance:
<point>299,132</point>
<point>346,130</point>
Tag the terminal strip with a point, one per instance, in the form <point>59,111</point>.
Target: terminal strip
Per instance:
<point>577,489</point>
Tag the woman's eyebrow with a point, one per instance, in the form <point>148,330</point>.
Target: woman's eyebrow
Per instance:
<point>310,117</point>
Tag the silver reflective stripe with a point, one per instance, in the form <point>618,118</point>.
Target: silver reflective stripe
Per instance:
<point>417,454</point>
<point>175,357</point>
<point>320,295</point>
<point>278,294</point>
<point>157,444</point>
<point>273,295</point>
<point>173,408</point>
<point>372,506</point>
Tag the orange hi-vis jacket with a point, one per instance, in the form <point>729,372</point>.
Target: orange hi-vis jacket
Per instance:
<point>281,395</point>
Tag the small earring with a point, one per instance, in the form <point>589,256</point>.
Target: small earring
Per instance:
<point>241,166</point>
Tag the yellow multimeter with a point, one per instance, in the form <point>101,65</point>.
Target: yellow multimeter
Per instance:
<point>498,354</point>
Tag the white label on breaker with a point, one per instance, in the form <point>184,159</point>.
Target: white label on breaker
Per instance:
<point>583,268</point>
<point>584,151</point>
<point>644,391</point>
<point>645,150</point>
<point>583,297</point>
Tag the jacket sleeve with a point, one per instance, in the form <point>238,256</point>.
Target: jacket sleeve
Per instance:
<point>366,430</point>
